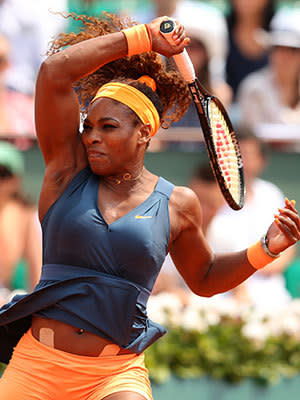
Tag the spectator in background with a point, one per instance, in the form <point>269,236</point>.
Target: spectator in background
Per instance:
<point>267,287</point>
<point>16,109</point>
<point>20,236</point>
<point>246,52</point>
<point>272,95</point>
<point>29,26</point>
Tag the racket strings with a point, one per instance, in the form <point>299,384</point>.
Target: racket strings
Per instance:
<point>225,150</point>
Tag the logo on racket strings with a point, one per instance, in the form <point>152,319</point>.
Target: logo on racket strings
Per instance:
<point>238,152</point>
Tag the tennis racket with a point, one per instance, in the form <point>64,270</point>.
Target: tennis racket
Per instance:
<point>219,136</point>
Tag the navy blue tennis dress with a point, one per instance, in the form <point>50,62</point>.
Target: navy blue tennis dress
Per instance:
<point>96,276</point>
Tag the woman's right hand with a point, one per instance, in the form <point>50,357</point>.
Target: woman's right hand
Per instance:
<point>160,43</point>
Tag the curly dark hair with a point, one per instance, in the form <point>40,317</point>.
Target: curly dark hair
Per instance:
<point>172,90</point>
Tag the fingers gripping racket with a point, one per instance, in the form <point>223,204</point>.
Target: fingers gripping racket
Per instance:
<point>219,136</point>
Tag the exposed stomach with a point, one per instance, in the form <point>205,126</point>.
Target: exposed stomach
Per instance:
<point>70,339</point>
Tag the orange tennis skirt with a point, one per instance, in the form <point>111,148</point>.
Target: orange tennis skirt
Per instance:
<point>38,372</point>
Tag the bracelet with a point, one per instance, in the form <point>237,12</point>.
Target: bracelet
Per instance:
<point>138,38</point>
<point>266,248</point>
<point>258,257</point>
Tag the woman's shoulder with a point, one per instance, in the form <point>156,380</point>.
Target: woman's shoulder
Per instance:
<point>185,199</point>
<point>185,210</point>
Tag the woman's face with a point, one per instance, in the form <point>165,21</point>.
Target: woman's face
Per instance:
<point>111,137</point>
<point>285,62</point>
<point>9,186</point>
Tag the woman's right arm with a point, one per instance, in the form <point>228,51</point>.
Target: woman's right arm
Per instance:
<point>56,105</point>
<point>57,112</point>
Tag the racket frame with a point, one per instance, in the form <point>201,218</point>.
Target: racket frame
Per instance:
<point>201,99</point>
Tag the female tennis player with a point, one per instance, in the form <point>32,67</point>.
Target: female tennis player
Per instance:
<point>108,222</point>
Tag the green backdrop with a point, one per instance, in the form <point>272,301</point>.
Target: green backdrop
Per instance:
<point>209,389</point>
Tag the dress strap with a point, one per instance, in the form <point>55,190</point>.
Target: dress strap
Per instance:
<point>165,187</point>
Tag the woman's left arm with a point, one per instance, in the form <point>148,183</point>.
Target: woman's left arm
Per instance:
<point>205,273</point>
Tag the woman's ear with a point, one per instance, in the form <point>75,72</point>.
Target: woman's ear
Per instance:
<point>144,134</point>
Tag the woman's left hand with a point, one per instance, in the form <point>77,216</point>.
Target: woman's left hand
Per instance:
<point>285,230</point>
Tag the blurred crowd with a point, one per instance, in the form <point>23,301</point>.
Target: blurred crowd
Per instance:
<point>20,232</point>
<point>247,53</point>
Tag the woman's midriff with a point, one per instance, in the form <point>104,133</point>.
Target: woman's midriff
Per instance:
<point>70,339</point>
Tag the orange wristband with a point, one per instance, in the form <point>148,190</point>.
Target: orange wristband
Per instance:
<point>257,257</point>
<point>138,39</point>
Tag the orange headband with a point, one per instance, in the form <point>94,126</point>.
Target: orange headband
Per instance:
<point>134,99</point>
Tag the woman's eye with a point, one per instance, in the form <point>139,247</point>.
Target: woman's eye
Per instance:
<point>86,127</point>
<point>108,126</point>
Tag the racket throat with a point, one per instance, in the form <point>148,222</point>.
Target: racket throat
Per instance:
<point>196,99</point>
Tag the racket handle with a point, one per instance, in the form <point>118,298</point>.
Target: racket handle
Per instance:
<point>182,60</point>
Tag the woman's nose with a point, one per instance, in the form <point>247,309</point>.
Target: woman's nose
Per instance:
<point>94,140</point>
<point>93,137</point>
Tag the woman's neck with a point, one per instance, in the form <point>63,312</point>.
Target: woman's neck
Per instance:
<point>244,34</point>
<point>249,21</point>
<point>125,182</point>
<point>126,178</point>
